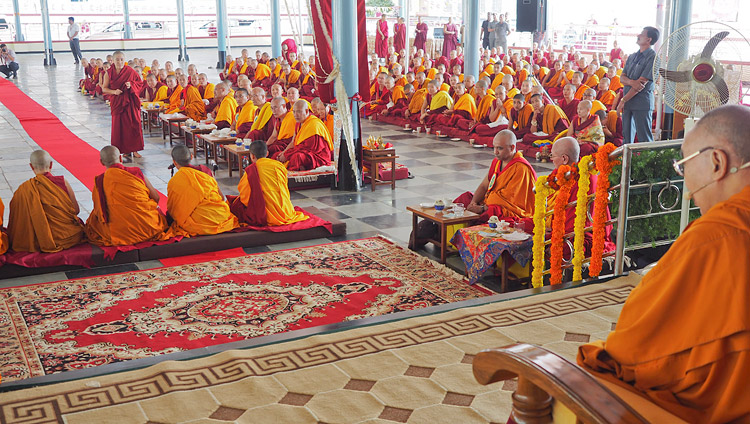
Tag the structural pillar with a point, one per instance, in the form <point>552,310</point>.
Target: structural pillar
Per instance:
<point>49,57</point>
<point>275,29</point>
<point>221,32</point>
<point>405,14</point>
<point>126,16</point>
<point>301,47</point>
<point>183,56</point>
<point>471,38</point>
<point>345,40</point>
<point>17,16</point>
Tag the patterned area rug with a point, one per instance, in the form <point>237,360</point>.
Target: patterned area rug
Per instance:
<point>89,322</point>
<point>414,370</point>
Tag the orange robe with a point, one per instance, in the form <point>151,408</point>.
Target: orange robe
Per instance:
<point>195,204</point>
<point>592,81</point>
<point>615,84</point>
<point>194,108</point>
<point>312,148</point>
<point>683,335</point>
<point>580,90</point>
<point>285,130</point>
<point>244,116</point>
<point>606,97</point>
<point>272,181</point>
<point>124,214</point>
<point>225,113</point>
<point>174,100</point>
<point>42,217</point>
<point>3,236</point>
<point>260,129</point>
<point>207,92</point>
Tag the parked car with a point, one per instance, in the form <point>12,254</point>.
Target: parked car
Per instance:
<point>140,29</point>
<point>236,27</point>
<point>7,29</point>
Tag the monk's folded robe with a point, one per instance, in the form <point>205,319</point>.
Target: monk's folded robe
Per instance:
<point>520,121</point>
<point>497,79</point>
<point>127,132</point>
<point>193,105</point>
<point>156,94</point>
<point>328,122</point>
<point>291,80</point>
<point>683,336</point>
<point>195,204</point>
<point>579,92</point>
<point>264,196</point>
<point>42,216</point>
<point>225,112</point>
<point>438,103</point>
<point>307,87</point>
<point>243,118</point>
<point>569,108</point>
<point>398,98</point>
<point>312,148</point>
<point>415,105</point>
<point>615,84</point>
<point>174,98</point>
<point>607,97</point>
<point>592,81</point>
<point>4,244</point>
<point>263,77</point>
<point>379,103</point>
<point>511,190</point>
<point>464,109</point>
<point>206,91</point>
<point>614,125</point>
<point>124,214</point>
<point>285,130</point>
<point>262,126</point>
<point>553,122</point>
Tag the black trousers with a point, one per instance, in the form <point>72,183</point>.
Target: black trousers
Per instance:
<point>9,69</point>
<point>75,47</point>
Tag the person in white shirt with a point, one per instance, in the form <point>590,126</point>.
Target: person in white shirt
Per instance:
<point>73,31</point>
<point>8,64</point>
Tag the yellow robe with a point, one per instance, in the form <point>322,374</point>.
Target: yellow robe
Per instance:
<point>245,115</point>
<point>133,216</point>
<point>43,218</point>
<point>174,100</point>
<point>196,206</point>
<point>274,182</point>
<point>227,109</point>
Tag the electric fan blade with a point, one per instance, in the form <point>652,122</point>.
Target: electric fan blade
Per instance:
<point>722,88</point>
<point>675,76</point>
<point>708,49</point>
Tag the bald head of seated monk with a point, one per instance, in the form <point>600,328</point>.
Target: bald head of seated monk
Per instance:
<point>243,82</point>
<point>508,188</point>
<point>322,111</point>
<point>277,91</point>
<point>44,211</point>
<point>264,197</point>
<point>126,205</point>
<point>292,95</point>
<point>312,146</point>
<point>682,339</point>
<point>226,106</point>
<point>194,200</point>
<point>246,110</point>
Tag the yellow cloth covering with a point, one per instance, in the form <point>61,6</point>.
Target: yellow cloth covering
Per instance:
<point>497,80</point>
<point>293,76</point>
<point>467,104</point>
<point>227,109</point>
<point>274,182</point>
<point>174,100</point>
<point>596,106</point>
<point>415,105</point>
<point>441,99</point>
<point>3,237</point>
<point>484,107</point>
<point>445,87</point>
<point>262,117</point>
<point>194,107</point>
<point>580,90</point>
<point>160,95</point>
<point>276,71</point>
<point>508,70</point>
<point>43,218</point>
<point>513,190</point>
<point>196,206</point>
<point>431,73</point>
<point>133,216</point>
<point>312,126</point>
<point>329,125</point>
<point>602,71</point>
<point>552,114</point>
<point>262,71</point>
<point>592,81</point>
<point>397,94</point>
<point>246,114</point>
<point>683,336</point>
<point>288,127</point>
<point>208,92</point>
<point>615,84</point>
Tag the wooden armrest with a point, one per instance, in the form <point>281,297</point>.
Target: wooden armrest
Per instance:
<point>543,376</point>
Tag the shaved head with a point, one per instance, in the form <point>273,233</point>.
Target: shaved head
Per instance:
<point>504,145</point>
<point>40,161</point>
<point>259,149</point>
<point>565,147</point>
<point>109,155</point>
<point>730,125</point>
<point>181,155</point>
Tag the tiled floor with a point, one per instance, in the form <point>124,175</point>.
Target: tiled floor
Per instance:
<point>440,169</point>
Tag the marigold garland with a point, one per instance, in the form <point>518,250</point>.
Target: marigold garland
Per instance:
<point>584,182</point>
<point>566,178</point>
<point>540,209</point>
<point>601,202</point>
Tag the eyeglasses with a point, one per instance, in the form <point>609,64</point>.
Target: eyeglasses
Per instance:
<point>680,169</point>
<point>678,165</point>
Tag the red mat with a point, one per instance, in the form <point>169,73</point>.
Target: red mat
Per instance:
<point>84,323</point>
<point>203,257</point>
<point>74,154</point>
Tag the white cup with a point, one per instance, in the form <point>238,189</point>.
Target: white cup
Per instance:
<point>458,209</point>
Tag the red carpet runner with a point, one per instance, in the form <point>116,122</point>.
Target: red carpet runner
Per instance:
<point>89,322</point>
<point>74,154</point>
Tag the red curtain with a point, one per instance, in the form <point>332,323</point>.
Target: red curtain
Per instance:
<point>324,61</point>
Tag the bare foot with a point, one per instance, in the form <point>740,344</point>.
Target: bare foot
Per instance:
<point>137,155</point>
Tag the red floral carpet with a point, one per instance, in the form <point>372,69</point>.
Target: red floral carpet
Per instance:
<point>55,327</point>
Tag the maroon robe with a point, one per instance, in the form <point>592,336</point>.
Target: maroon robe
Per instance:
<point>255,211</point>
<point>399,37</point>
<point>560,126</point>
<point>381,41</point>
<point>309,154</point>
<point>570,109</point>
<point>127,132</point>
<point>280,144</point>
<point>450,41</point>
<point>421,38</point>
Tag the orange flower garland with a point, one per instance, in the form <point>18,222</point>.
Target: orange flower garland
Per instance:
<point>565,182</point>
<point>604,165</point>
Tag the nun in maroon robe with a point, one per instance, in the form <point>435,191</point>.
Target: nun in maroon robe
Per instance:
<point>450,38</point>
<point>127,133</point>
<point>381,37</point>
<point>420,39</point>
<point>399,36</point>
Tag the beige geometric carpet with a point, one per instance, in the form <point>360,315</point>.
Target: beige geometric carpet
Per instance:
<point>416,370</point>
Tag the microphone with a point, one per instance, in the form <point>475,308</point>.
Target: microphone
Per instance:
<point>688,195</point>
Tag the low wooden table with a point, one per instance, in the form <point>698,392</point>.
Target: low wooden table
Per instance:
<point>442,221</point>
<point>166,124</point>
<point>372,158</point>
<point>191,136</point>
<point>147,117</point>
<point>212,145</point>
<point>238,152</point>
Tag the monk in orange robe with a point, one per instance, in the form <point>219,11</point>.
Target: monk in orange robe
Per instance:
<point>322,111</point>
<point>614,79</point>
<point>683,336</point>
<point>223,116</point>
<point>508,189</point>
<point>465,108</point>
<point>546,123</point>
<point>195,201</point>
<point>383,97</point>
<point>4,244</point>
<point>283,125</point>
<point>520,116</point>
<point>604,94</point>
<point>308,87</point>
<point>44,211</point>
<point>264,198</point>
<point>245,113</point>
<point>435,104</point>
<point>228,68</point>
<point>192,104</point>
<point>312,146</point>
<point>174,94</point>
<point>263,77</point>
<point>262,125</point>
<point>413,111</point>
<point>492,117</point>
<point>289,77</point>
<point>126,206</point>
<point>205,88</point>
<point>612,127</point>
